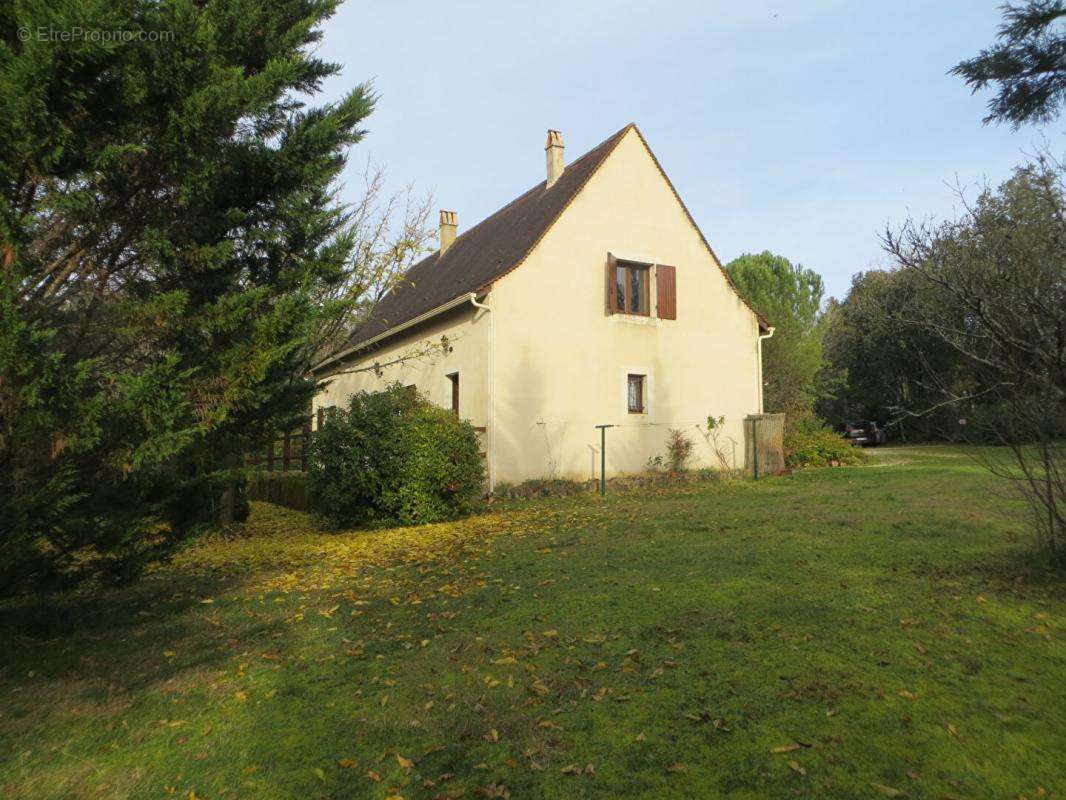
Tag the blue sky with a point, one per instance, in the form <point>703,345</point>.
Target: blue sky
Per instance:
<point>798,127</point>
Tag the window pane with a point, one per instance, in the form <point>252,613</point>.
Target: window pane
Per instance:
<point>636,393</point>
<point>620,287</point>
<point>638,291</point>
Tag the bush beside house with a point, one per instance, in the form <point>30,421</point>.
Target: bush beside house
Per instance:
<point>810,443</point>
<point>393,457</point>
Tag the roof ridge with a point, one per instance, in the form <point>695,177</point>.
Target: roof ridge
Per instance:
<point>615,138</point>
<point>530,190</point>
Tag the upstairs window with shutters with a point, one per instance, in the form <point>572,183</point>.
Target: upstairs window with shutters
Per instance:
<point>629,289</point>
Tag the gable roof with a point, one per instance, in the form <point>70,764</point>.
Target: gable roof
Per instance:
<point>494,247</point>
<point>763,324</point>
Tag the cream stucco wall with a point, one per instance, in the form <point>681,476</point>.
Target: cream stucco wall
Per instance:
<point>562,361</point>
<point>467,330</point>
<point>552,364</point>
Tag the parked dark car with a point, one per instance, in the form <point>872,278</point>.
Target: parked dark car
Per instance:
<point>864,433</point>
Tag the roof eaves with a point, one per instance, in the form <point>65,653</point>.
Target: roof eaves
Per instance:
<point>368,344</point>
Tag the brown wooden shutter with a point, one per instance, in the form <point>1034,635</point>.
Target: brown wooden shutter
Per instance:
<point>609,285</point>
<point>666,291</point>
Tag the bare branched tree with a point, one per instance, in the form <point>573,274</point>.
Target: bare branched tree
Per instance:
<point>389,234</point>
<point>999,273</point>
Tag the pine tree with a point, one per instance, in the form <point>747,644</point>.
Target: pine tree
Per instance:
<point>790,297</point>
<point>1028,63</point>
<point>167,226</point>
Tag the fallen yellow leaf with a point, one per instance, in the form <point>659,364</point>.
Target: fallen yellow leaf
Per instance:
<point>888,791</point>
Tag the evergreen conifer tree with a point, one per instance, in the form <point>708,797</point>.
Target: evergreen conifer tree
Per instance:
<point>168,227</point>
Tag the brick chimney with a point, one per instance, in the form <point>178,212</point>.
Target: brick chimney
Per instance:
<point>449,223</point>
<point>553,150</point>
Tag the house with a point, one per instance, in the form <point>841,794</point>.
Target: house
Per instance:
<point>592,299</point>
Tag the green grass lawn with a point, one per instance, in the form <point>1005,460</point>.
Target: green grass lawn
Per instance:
<point>865,632</point>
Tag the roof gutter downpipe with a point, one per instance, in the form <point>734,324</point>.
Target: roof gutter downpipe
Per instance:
<point>490,422</point>
<point>767,335</point>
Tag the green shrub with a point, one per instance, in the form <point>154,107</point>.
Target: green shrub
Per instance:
<point>812,444</point>
<point>393,457</point>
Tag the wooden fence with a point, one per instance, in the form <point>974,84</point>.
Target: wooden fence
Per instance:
<point>286,453</point>
<point>289,452</point>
